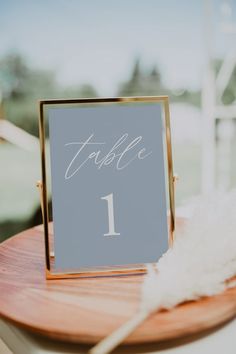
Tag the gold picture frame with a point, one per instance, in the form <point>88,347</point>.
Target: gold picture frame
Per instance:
<point>49,254</point>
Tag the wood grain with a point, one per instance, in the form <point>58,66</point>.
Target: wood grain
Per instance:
<point>86,310</point>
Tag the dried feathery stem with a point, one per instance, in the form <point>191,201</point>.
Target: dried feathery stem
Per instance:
<point>201,261</point>
<point>117,337</point>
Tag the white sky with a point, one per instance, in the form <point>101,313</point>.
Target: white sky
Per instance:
<point>97,41</point>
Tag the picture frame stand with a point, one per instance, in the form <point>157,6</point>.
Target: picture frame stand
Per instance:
<point>121,268</point>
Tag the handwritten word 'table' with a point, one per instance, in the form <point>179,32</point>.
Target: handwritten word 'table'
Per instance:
<point>120,156</point>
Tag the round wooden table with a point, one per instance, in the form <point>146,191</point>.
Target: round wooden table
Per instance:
<point>86,310</point>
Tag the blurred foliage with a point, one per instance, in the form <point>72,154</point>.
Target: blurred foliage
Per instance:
<point>18,81</point>
<point>22,87</point>
<point>147,83</point>
<point>141,83</point>
<point>229,94</point>
<point>12,227</point>
<point>19,197</point>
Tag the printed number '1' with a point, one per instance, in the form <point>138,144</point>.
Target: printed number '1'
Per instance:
<point>111,221</point>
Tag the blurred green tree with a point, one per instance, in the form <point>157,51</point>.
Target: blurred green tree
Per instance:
<point>141,83</point>
<point>21,88</point>
<point>13,75</point>
<point>150,83</point>
<point>87,90</point>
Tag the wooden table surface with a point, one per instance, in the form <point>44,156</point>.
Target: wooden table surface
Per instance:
<point>86,310</point>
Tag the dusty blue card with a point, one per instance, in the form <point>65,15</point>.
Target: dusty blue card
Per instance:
<point>108,185</point>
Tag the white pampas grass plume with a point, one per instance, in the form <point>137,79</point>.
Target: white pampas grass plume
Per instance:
<point>202,258</point>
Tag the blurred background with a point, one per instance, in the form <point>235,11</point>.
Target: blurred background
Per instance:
<point>58,49</point>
